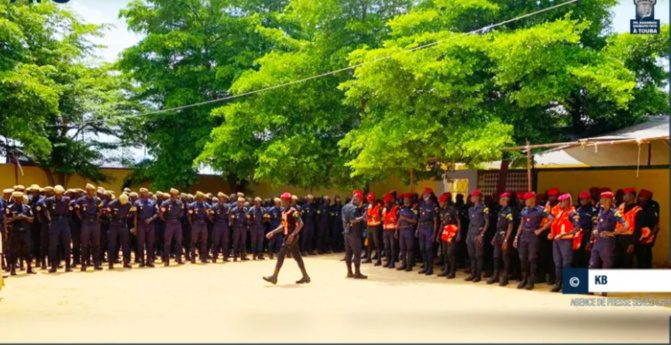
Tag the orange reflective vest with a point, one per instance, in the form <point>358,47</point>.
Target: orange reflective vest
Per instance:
<point>449,232</point>
<point>630,217</point>
<point>373,215</point>
<point>563,224</point>
<point>390,218</point>
<point>553,210</point>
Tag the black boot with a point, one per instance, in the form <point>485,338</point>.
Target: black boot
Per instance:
<point>68,268</point>
<point>523,281</point>
<point>557,286</point>
<point>494,278</point>
<point>271,279</point>
<point>429,271</point>
<point>357,272</point>
<point>30,268</point>
<point>530,283</point>
<point>304,280</point>
<point>504,279</point>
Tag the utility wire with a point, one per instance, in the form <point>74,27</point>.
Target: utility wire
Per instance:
<point>298,81</point>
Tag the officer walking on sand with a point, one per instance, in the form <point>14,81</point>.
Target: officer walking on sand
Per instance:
<point>291,226</point>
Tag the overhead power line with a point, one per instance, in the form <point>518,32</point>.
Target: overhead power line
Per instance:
<point>298,81</point>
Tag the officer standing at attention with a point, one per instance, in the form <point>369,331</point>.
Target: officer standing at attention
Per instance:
<point>171,213</point>
<point>75,226</point>
<point>649,229</point>
<point>389,226</point>
<point>427,231</point>
<point>119,211</point>
<point>275,212</point>
<point>199,212</point>
<point>408,218</point>
<point>545,259</point>
<point>4,204</point>
<point>501,241</point>
<point>603,251</point>
<point>58,208</point>
<point>373,221</point>
<point>337,235</point>
<point>258,217</point>
<point>478,215</point>
<point>308,212</point>
<point>88,209</point>
<point>450,235</point>
<point>563,229</point>
<point>19,216</point>
<point>106,197</point>
<point>353,219</point>
<point>527,238</point>
<point>147,212</point>
<point>40,213</point>
<point>324,233</point>
<point>239,224</point>
<point>220,231</point>
<point>587,214</point>
<point>626,239</point>
<point>291,226</point>
<point>34,200</point>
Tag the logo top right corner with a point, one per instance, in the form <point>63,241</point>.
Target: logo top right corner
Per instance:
<point>645,22</point>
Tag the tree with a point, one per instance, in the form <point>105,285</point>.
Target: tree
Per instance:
<point>468,95</point>
<point>54,102</point>
<point>289,135</point>
<point>192,52</point>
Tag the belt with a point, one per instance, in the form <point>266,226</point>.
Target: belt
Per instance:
<point>58,217</point>
<point>90,219</point>
<point>426,222</point>
<point>528,229</point>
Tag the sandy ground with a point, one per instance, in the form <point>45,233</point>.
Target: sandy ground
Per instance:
<point>230,303</point>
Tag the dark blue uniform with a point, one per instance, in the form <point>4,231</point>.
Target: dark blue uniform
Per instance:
<point>20,237</point>
<point>275,244</point>
<point>119,234</point>
<point>220,231</point>
<point>76,232</point>
<point>146,211</point>
<point>587,217</point>
<point>603,251</point>
<point>529,242</point>
<point>199,213</point>
<point>503,221</point>
<point>257,216</point>
<point>337,238</point>
<point>35,228</point>
<point>172,212</point>
<point>89,210</point>
<point>308,213</point>
<point>428,221</point>
<point>477,216</point>
<point>40,212</point>
<point>239,224</point>
<point>406,231</point>
<point>449,216</point>
<point>353,231</point>
<point>324,232</point>
<point>59,229</point>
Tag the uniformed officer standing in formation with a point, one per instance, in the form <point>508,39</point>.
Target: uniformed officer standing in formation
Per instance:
<point>587,216</point>
<point>58,211</point>
<point>450,235</point>
<point>565,226</point>
<point>199,213</point>
<point>427,229</point>
<point>501,241</point>
<point>408,219</point>
<point>324,233</point>
<point>258,218</point>
<point>119,211</point>
<point>373,221</point>
<point>275,242</point>
<point>239,223</point>
<point>603,235</point>
<point>649,229</point>
<point>88,209</point>
<point>147,212</point>
<point>527,238</point>
<point>390,213</point>
<point>478,216</point>
<point>19,216</point>
<point>220,230</point>
<point>172,211</point>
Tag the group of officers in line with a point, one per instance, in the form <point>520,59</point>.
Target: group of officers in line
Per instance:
<point>523,236</point>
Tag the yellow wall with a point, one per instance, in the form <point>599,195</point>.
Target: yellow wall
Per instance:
<point>655,180</point>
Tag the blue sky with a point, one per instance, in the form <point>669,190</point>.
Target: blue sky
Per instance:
<point>118,37</point>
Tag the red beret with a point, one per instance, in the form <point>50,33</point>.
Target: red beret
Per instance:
<point>444,197</point>
<point>585,195</point>
<point>370,196</point>
<point>387,197</point>
<point>629,190</point>
<point>358,194</point>
<point>449,195</point>
<point>607,194</point>
<point>645,193</point>
<point>529,195</point>
<point>505,195</point>
<point>406,195</point>
<point>565,196</point>
<point>476,192</point>
<point>553,192</point>
<point>285,196</point>
<point>519,195</point>
<point>605,189</point>
<point>428,190</point>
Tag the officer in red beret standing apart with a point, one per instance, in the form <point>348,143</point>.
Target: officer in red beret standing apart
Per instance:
<point>478,216</point>
<point>603,251</point>
<point>649,229</point>
<point>292,224</point>
<point>563,229</point>
<point>527,238</point>
<point>501,241</point>
<point>353,219</point>
<point>626,238</point>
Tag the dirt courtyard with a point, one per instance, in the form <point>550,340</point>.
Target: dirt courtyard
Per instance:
<point>229,302</point>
